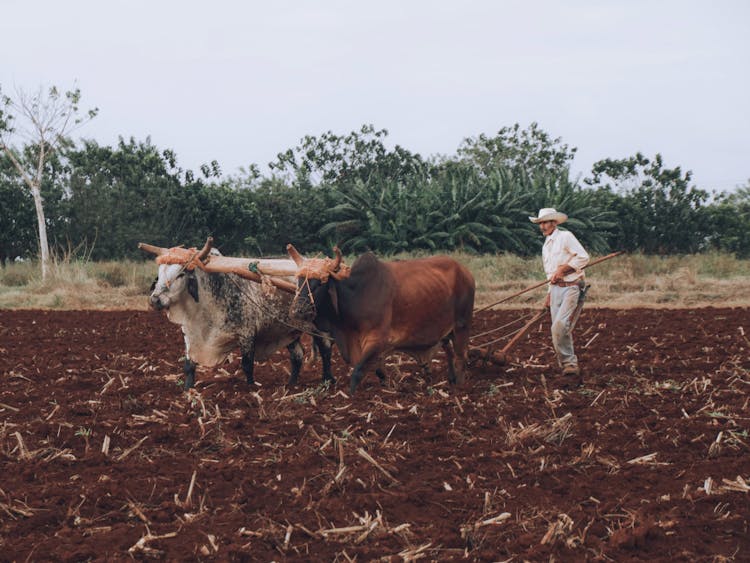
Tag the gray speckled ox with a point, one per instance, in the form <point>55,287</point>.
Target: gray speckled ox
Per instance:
<point>219,312</point>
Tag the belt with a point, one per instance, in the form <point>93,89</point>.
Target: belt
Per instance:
<point>579,281</point>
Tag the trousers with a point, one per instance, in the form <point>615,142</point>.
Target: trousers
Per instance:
<point>564,311</point>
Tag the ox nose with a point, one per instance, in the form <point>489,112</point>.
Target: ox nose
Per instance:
<point>155,303</point>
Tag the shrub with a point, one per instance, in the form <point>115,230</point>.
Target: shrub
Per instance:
<point>113,273</point>
<point>17,275</point>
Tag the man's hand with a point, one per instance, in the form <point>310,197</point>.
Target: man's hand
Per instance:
<point>560,273</point>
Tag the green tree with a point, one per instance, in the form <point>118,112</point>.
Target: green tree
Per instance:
<point>451,207</point>
<point>530,151</point>
<point>16,214</point>
<point>729,219</point>
<point>335,158</point>
<point>659,211</point>
<point>136,192</point>
<point>287,214</point>
<point>592,223</point>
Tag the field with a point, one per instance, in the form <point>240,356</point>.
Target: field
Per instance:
<point>104,457</point>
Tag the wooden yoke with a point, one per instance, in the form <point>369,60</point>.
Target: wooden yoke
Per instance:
<point>248,268</point>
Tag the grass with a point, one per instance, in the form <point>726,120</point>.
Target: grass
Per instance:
<point>77,284</point>
<point>622,282</point>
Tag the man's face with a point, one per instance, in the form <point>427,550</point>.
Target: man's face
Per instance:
<point>547,227</point>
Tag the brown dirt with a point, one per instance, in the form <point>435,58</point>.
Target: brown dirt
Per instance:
<point>648,459</point>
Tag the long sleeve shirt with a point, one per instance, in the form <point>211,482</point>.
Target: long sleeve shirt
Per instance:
<point>562,247</point>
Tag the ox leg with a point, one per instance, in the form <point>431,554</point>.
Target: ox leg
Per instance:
<point>357,374</point>
<point>324,346</point>
<point>450,356</point>
<point>248,364</point>
<point>368,355</point>
<point>461,349</point>
<point>296,357</point>
<point>189,370</point>
<point>188,367</point>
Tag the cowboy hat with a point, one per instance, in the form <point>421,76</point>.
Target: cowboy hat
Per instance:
<point>549,214</point>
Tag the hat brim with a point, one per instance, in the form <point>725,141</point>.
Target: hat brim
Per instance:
<point>557,217</point>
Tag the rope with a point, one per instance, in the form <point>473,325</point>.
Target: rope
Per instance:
<point>485,333</point>
<point>510,334</point>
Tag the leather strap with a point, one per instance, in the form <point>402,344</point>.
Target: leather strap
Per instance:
<point>579,281</point>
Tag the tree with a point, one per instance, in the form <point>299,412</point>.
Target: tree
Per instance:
<point>335,158</point>
<point>660,212</point>
<point>530,151</point>
<point>591,221</point>
<point>729,217</point>
<point>450,208</point>
<point>16,214</point>
<point>118,196</point>
<point>43,119</point>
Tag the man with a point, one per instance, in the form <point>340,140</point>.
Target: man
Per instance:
<point>564,259</point>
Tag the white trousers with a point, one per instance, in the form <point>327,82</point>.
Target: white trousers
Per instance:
<point>563,304</point>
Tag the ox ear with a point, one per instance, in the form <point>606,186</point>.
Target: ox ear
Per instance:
<point>333,294</point>
<point>192,286</point>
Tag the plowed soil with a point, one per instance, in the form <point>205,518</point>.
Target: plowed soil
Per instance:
<point>103,456</point>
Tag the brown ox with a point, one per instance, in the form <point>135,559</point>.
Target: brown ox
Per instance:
<point>376,307</point>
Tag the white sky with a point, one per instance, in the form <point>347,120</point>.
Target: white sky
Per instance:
<point>241,81</point>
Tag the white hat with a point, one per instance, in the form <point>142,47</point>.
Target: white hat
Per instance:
<point>549,214</point>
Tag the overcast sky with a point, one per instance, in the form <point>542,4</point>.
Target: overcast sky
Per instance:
<point>241,81</point>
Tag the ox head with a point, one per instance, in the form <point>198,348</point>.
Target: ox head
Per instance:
<point>315,292</point>
<point>176,277</point>
<point>172,282</point>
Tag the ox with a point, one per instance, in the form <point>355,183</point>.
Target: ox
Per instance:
<point>377,307</point>
<point>219,312</point>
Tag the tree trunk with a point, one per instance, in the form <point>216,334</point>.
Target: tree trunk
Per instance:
<point>42,227</point>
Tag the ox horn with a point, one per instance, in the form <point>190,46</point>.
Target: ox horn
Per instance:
<point>206,249</point>
<point>296,256</point>
<point>337,260</point>
<point>158,250</point>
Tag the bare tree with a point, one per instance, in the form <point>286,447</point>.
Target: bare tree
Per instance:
<point>43,120</point>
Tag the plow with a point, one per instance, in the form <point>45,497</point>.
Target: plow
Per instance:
<point>486,347</point>
<point>486,352</point>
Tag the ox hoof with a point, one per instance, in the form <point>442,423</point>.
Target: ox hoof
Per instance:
<point>497,357</point>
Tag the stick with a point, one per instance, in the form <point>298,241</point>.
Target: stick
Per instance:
<point>50,415</point>
<point>545,282</point>
<point>389,435</point>
<point>141,543</point>
<point>131,449</point>
<point>523,331</point>
<point>138,512</point>
<point>23,452</point>
<point>597,398</point>
<point>591,340</point>
<point>369,458</point>
<point>188,498</point>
